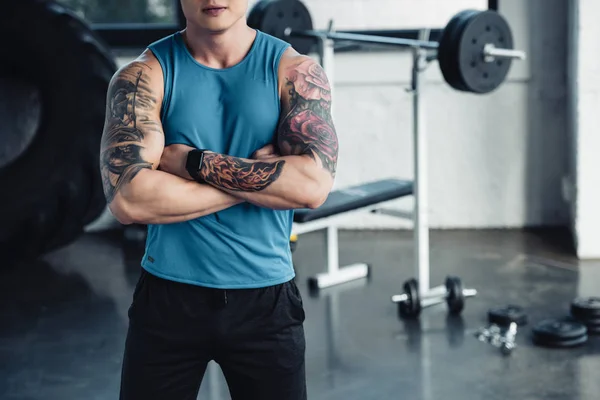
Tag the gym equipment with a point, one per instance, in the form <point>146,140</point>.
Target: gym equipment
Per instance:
<point>592,329</point>
<point>587,311</point>
<point>493,335</point>
<point>361,198</point>
<point>504,316</point>
<point>410,303</point>
<point>486,334</point>
<point>474,52</point>
<point>54,74</point>
<point>559,333</point>
<point>586,308</point>
<point>290,20</point>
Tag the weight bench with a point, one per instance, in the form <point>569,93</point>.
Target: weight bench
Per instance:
<point>368,197</point>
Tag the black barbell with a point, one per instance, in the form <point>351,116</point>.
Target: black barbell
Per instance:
<point>475,50</point>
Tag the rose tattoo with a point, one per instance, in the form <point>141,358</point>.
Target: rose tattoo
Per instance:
<point>308,127</point>
<point>309,134</point>
<point>310,82</point>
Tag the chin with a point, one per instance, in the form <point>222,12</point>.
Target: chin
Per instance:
<point>215,27</point>
<point>217,24</point>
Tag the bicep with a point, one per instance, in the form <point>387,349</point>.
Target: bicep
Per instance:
<point>133,139</point>
<point>306,126</point>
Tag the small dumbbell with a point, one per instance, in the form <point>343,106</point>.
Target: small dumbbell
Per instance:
<point>508,342</point>
<point>410,303</point>
<point>493,335</point>
<point>489,334</point>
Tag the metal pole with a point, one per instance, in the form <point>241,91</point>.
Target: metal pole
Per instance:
<point>326,54</point>
<point>333,261</point>
<point>354,37</point>
<point>421,223</point>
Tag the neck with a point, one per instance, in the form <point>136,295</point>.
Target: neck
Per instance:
<point>222,49</point>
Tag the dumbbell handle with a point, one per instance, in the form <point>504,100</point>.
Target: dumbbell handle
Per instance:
<point>491,52</point>
<point>434,294</point>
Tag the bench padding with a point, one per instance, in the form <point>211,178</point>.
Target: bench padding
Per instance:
<point>355,197</point>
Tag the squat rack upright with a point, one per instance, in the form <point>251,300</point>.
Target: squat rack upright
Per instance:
<point>419,216</point>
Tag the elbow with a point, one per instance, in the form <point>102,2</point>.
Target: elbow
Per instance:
<point>315,203</point>
<point>128,205</point>
<point>316,194</point>
<point>123,212</point>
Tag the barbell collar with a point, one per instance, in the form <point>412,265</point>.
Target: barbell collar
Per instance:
<point>491,53</point>
<point>354,37</point>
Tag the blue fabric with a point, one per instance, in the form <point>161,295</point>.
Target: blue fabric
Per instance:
<point>232,111</point>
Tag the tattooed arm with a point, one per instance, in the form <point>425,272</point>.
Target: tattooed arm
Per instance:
<point>302,176</point>
<point>132,144</point>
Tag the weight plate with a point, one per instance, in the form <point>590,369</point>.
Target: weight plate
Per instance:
<point>564,344</point>
<point>483,28</point>
<point>593,329</point>
<point>558,330</point>
<point>274,17</point>
<point>586,307</point>
<point>456,299</point>
<point>504,316</point>
<point>587,321</point>
<point>410,308</point>
<point>448,49</point>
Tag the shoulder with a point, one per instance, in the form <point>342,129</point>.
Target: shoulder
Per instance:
<point>304,76</point>
<point>292,61</point>
<point>145,64</point>
<point>142,73</point>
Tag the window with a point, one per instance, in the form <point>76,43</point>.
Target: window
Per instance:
<point>125,11</point>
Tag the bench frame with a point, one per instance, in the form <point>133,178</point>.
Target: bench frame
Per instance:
<point>335,274</point>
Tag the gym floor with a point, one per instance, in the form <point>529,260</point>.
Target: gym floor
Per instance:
<point>64,321</point>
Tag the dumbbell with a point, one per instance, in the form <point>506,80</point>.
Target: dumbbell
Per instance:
<point>493,335</point>
<point>452,293</point>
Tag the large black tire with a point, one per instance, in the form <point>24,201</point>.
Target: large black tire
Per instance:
<point>51,185</point>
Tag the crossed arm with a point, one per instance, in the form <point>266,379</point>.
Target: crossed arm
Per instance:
<point>298,174</point>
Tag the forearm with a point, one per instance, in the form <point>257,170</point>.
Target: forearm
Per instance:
<point>156,197</point>
<point>288,182</point>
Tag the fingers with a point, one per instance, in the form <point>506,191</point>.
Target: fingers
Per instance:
<point>265,153</point>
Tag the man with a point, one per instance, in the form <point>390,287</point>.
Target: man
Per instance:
<point>213,136</point>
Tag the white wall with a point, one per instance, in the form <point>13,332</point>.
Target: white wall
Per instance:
<point>584,118</point>
<point>386,14</point>
<point>496,160</point>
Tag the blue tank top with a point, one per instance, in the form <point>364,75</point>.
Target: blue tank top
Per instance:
<point>232,111</point>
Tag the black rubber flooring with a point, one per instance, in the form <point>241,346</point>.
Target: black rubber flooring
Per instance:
<point>63,321</point>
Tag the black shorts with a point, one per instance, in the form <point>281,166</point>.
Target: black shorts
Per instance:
<point>175,329</point>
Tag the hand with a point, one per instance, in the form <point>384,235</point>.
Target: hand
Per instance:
<point>265,153</point>
<point>173,160</point>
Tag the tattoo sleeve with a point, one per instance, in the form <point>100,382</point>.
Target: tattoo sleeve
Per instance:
<point>308,128</point>
<point>236,174</point>
<point>130,102</point>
